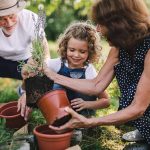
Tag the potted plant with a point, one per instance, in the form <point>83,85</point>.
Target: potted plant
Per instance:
<point>39,84</point>
<point>38,88</point>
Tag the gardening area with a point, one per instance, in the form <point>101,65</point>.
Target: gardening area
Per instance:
<point>100,138</point>
<point>59,14</point>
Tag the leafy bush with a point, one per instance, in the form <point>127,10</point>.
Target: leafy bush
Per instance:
<point>8,95</point>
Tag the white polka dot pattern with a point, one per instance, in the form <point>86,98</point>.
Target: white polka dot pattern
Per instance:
<point>128,73</point>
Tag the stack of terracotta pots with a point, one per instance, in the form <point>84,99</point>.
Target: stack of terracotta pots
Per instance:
<point>52,106</point>
<point>40,93</point>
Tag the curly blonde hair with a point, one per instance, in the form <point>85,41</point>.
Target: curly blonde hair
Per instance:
<point>84,31</point>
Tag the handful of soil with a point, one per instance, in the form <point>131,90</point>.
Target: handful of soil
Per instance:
<point>36,87</point>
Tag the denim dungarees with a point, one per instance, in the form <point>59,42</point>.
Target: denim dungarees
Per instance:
<point>79,74</point>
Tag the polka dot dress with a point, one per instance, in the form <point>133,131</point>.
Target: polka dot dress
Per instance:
<point>128,73</point>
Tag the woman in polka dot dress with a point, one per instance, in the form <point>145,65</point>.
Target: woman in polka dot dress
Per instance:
<point>126,26</point>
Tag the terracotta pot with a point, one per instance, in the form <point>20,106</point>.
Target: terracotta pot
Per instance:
<point>52,106</point>
<point>1,104</point>
<point>13,118</point>
<point>49,140</point>
<point>7,105</point>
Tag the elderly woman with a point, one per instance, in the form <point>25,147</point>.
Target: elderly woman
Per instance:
<point>126,26</point>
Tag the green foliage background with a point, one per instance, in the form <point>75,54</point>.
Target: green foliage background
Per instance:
<point>60,13</point>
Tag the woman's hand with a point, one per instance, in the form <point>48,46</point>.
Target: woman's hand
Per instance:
<point>79,104</point>
<point>25,111</point>
<point>77,121</point>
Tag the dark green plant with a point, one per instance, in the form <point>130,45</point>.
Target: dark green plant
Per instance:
<point>5,134</point>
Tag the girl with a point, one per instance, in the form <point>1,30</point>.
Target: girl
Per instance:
<point>79,46</point>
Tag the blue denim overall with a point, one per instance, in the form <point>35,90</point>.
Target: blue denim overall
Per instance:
<point>78,73</point>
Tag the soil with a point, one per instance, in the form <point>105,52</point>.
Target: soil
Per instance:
<point>36,87</point>
<point>61,121</point>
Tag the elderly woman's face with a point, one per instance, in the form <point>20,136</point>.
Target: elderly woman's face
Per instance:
<point>8,23</point>
<point>101,29</point>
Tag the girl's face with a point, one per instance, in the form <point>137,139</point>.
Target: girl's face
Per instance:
<point>8,23</point>
<point>77,53</point>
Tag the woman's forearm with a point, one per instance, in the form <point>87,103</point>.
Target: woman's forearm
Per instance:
<point>120,117</point>
<point>90,87</point>
<point>80,85</point>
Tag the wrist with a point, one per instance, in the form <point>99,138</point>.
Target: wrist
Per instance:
<point>88,105</point>
<point>93,122</point>
<point>52,76</point>
<point>55,77</point>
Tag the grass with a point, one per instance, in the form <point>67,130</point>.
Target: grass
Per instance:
<point>101,138</point>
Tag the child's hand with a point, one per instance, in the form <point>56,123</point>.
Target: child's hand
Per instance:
<point>79,104</point>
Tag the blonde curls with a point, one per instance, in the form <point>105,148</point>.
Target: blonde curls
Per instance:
<point>84,31</point>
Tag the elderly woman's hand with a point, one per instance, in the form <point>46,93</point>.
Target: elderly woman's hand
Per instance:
<point>77,121</point>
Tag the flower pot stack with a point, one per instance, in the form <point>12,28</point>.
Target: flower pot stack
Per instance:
<point>51,103</point>
<point>52,106</point>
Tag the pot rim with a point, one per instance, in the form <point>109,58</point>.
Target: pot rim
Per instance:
<point>51,135</point>
<point>7,105</point>
<point>51,93</point>
<point>9,117</point>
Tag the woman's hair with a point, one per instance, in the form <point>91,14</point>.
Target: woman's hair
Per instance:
<point>127,21</point>
<point>83,31</point>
